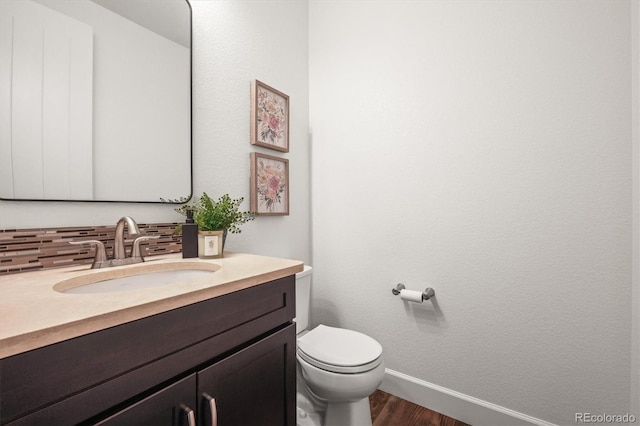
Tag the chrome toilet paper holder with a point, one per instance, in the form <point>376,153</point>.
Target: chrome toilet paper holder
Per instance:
<point>427,294</point>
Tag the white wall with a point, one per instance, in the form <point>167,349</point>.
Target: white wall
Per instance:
<point>635,350</point>
<point>46,107</point>
<point>233,43</point>
<point>481,148</point>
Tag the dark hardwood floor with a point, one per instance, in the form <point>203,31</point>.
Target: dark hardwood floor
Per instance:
<point>389,410</point>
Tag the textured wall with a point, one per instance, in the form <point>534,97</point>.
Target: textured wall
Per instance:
<point>635,352</point>
<point>481,148</point>
<point>234,43</point>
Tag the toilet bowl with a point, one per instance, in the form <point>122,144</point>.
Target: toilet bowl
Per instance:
<point>339,367</point>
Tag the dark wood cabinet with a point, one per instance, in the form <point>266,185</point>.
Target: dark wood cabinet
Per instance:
<point>249,386</point>
<point>173,405</point>
<point>233,353</point>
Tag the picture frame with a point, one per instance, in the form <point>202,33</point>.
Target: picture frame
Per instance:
<point>269,117</point>
<point>269,185</point>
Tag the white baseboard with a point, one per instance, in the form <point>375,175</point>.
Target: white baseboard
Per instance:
<point>454,404</point>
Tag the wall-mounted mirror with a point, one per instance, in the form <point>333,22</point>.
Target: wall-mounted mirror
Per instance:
<point>95,100</point>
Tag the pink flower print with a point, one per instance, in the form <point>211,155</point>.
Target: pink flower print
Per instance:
<point>274,183</point>
<point>271,117</point>
<point>274,123</point>
<point>271,184</point>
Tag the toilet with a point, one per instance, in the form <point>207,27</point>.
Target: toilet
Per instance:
<point>340,368</point>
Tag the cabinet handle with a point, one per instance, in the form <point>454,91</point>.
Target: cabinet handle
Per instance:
<point>191,416</point>
<point>213,410</point>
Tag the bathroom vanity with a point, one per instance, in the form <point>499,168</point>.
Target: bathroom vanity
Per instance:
<point>219,348</point>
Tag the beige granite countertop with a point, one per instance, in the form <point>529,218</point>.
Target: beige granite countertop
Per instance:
<point>33,314</point>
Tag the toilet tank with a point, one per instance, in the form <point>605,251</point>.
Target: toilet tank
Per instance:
<point>303,298</point>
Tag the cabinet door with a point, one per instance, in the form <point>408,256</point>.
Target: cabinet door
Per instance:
<point>173,405</point>
<point>252,387</point>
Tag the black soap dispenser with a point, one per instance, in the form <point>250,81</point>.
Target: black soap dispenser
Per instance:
<point>189,237</point>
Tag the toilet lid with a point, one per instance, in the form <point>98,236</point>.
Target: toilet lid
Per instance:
<point>339,347</point>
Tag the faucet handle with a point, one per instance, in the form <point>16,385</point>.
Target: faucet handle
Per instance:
<point>135,250</point>
<point>101,254</point>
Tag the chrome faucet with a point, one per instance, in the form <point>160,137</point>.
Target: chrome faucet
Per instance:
<point>119,254</point>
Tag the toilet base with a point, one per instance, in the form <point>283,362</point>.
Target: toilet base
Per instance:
<point>307,412</point>
<point>348,413</point>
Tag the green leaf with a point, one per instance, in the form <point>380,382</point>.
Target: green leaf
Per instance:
<point>213,215</point>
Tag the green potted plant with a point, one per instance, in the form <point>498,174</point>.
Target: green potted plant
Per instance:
<point>214,220</point>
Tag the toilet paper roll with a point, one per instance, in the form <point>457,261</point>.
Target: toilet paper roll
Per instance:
<point>411,295</point>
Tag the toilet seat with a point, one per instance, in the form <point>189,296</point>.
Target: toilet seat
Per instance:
<point>339,350</point>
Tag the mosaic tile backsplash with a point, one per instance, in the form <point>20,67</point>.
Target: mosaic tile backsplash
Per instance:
<point>23,250</point>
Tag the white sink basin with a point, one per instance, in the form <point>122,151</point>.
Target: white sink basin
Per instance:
<point>144,275</point>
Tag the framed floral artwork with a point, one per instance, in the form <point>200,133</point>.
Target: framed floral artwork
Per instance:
<point>269,117</point>
<point>269,184</point>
